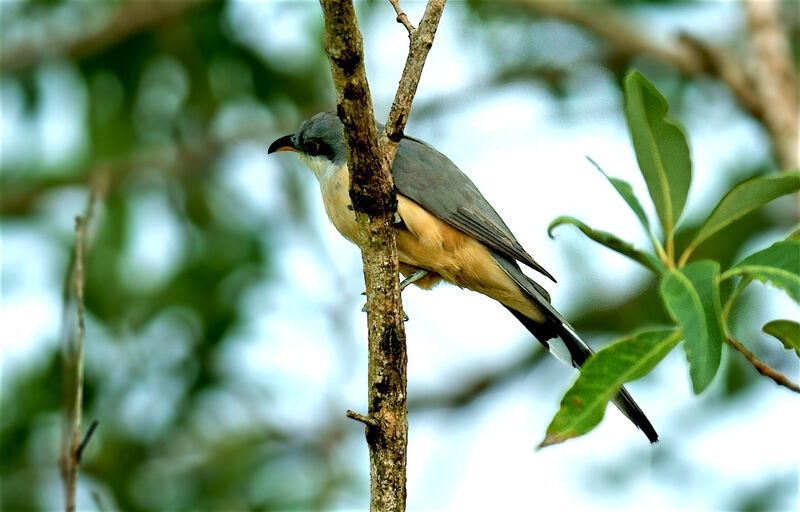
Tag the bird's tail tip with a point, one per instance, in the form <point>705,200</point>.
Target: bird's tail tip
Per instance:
<point>631,410</point>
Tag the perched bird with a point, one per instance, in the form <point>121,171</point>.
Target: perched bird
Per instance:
<point>446,230</point>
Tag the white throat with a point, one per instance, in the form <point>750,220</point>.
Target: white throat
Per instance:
<point>322,167</point>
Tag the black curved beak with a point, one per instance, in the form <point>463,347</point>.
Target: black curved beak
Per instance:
<point>285,143</point>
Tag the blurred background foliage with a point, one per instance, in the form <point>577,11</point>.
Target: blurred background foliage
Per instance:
<point>150,103</point>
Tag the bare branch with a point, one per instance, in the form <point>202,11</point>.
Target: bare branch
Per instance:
<point>775,79</point>
<point>401,17</point>
<point>688,55</point>
<point>719,63</point>
<point>763,368</point>
<point>70,459</point>
<point>72,446</point>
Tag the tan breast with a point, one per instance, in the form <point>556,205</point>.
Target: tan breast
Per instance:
<point>336,198</point>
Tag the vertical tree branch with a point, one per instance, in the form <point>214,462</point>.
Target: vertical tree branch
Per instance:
<point>70,459</point>
<point>375,202</point>
<point>71,445</point>
<point>369,161</point>
<point>775,78</point>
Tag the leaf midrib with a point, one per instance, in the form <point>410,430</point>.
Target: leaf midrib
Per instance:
<point>662,174</point>
<point>622,378</point>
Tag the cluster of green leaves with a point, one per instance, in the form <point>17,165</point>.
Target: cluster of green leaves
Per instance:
<point>691,291</point>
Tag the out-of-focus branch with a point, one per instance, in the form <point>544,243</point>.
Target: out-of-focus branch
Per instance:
<point>613,30</point>
<point>775,79</point>
<point>72,447</point>
<point>691,56</point>
<point>478,386</point>
<point>181,160</point>
<point>763,368</point>
<point>130,18</point>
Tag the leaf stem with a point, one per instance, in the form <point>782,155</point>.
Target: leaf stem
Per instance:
<point>659,249</point>
<point>763,368</point>
<point>685,256</point>
<point>670,251</point>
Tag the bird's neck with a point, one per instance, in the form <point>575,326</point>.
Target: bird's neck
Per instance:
<point>323,168</point>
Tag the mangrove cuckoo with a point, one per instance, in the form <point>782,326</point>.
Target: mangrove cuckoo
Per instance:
<point>446,230</point>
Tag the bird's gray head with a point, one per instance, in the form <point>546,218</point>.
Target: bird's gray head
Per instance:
<point>319,143</point>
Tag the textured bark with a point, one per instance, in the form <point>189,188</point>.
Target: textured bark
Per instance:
<point>375,203</point>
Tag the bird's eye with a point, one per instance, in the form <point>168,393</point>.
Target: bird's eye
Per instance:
<point>312,147</point>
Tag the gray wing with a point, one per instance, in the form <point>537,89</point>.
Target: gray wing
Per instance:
<point>429,178</point>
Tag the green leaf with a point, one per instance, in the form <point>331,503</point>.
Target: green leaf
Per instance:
<point>626,192</point>
<point>744,198</point>
<point>691,295</point>
<point>661,148</point>
<point>787,331</point>
<point>603,374</point>
<point>612,242</point>
<point>778,264</point>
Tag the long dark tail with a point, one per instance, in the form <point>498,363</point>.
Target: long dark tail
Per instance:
<point>562,341</point>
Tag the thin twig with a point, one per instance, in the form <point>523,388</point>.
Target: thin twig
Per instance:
<point>419,46</point>
<point>72,446</point>
<point>763,368</point>
<point>401,17</point>
<point>70,460</point>
<point>86,439</point>
<point>366,420</point>
<point>98,501</point>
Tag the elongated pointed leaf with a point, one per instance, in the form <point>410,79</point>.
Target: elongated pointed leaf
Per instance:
<point>744,198</point>
<point>612,242</point>
<point>691,295</point>
<point>661,148</point>
<point>625,190</point>
<point>787,331</point>
<point>584,405</point>
<point>778,264</point>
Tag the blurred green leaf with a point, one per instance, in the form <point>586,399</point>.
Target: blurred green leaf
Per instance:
<point>742,199</point>
<point>612,242</point>
<point>661,148</point>
<point>584,405</point>
<point>691,295</point>
<point>787,331</point>
<point>778,264</point>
